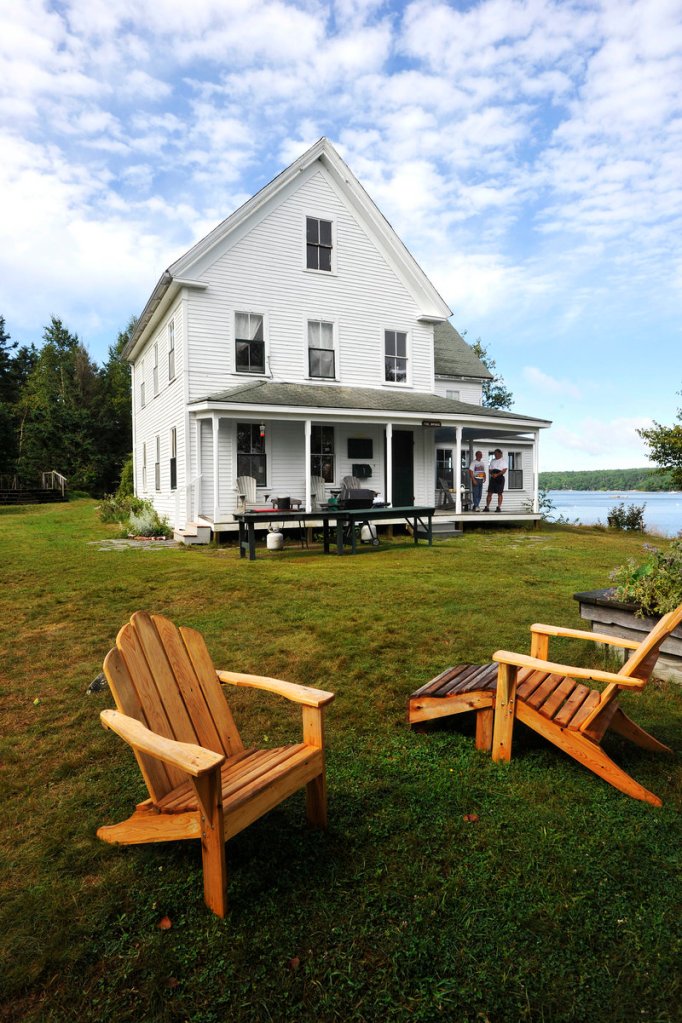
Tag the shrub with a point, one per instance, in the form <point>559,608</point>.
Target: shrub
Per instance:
<point>630,518</point>
<point>148,522</point>
<point>656,585</point>
<point>126,486</point>
<point>115,508</point>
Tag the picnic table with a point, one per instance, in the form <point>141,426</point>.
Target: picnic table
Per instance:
<point>344,520</point>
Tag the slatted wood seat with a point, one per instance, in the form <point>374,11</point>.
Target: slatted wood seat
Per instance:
<point>550,699</point>
<point>203,784</point>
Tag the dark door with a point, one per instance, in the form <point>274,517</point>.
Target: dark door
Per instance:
<point>403,469</point>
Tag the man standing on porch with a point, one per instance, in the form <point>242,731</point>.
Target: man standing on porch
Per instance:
<point>498,470</point>
<point>477,475</point>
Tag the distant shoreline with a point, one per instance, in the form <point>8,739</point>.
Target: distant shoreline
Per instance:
<point>641,480</point>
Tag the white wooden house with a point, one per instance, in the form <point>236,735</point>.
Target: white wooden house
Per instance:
<point>301,338</point>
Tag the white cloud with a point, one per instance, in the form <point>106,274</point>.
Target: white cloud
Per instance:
<point>547,384</point>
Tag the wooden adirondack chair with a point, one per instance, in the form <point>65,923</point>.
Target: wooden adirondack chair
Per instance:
<point>202,782</point>
<point>547,697</point>
<point>246,492</point>
<point>317,492</point>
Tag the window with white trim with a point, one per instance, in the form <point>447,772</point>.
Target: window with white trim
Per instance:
<point>321,355</point>
<point>453,395</point>
<point>515,471</point>
<point>251,457</point>
<point>173,458</point>
<point>318,239</point>
<point>155,374</point>
<point>142,394</point>
<point>144,466</point>
<point>395,356</point>
<point>157,464</point>
<point>322,452</point>
<point>249,356</point>
<point>171,350</point>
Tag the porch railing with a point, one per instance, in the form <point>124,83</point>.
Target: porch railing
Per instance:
<point>53,480</point>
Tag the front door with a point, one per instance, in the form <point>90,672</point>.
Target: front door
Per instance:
<point>403,469</point>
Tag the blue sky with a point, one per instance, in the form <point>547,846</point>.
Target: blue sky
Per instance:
<point>528,152</point>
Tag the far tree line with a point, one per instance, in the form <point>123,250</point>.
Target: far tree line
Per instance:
<point>607,479</point>
<point>60,410</point>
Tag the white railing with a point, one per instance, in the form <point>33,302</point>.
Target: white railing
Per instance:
<point>53,480</point>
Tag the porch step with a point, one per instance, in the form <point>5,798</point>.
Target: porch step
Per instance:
<point>193,533</point>
<point>441,529</point>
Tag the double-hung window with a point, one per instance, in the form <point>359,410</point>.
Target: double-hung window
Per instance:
<point>144,466</point>
<point>157,464</point>
<point>173,458</point>
<point>318,237</point>
<point>321,349</point>
<point>142,394</point>
<point>171,350</point>
<point>322,452</point>
<point>515,473</point>
<point>251,453</point>
<point>395,356</point>
<point>249,343</point>
<point>156,369</point>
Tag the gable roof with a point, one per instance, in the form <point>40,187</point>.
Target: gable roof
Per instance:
<point>432,306</point>
<point>453,357</point>
<point>261,393</point>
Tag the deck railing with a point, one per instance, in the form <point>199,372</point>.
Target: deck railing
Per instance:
<point>53,480</point>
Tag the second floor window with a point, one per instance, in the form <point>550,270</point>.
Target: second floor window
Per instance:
<point>171,350</point>
<point>395,356</point>
<point>251,453</point>
<point>156,369</point>
<point>321,349</point>
<point>249,343</point>
<point>318,237</point>
<point>142,394</point>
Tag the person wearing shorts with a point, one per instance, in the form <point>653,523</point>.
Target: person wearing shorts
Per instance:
<point>497,470</point>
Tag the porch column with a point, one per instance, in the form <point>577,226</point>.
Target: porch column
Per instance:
<point>457,470</point>
<point>536,473</point>
<point>389,463</point>
<point>197,491</point>
<point>215,422</point>
<point>308,430</point>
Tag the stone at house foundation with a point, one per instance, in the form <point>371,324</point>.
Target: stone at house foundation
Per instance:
<point>615,619</point>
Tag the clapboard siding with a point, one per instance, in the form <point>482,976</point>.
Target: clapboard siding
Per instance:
<point>264,273</point>
<point>161,413</point>
<point>469,392</point>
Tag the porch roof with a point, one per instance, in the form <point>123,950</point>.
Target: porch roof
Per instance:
<point>331,397</point>
<point>453,357</point>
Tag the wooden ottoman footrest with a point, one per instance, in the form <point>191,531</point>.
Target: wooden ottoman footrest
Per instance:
<point>456,690</point>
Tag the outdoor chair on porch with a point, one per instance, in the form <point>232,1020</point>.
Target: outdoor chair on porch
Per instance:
<point>548,697</point>
<point>202,782</point>
<point>317,492</point>
<point>246,492</point>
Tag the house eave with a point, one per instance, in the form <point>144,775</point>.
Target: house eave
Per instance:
<point>167,287</point>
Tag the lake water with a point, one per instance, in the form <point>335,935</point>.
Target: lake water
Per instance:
<point>662,514</point>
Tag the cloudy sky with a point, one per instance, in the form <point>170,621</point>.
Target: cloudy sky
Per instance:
<point>528,152</point>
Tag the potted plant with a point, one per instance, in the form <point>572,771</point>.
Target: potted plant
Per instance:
<point>640,594</point>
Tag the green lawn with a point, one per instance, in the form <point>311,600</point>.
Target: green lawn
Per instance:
<point>558,904</point>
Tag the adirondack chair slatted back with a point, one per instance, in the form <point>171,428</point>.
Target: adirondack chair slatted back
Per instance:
<point>246,490</point>
<point>641,663</point>
<point>165,678</point>
<point>317,491</point>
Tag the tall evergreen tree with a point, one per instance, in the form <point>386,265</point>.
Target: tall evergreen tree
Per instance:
<point>58,405</point>
<point>8,446</point>
<point>115,419</point>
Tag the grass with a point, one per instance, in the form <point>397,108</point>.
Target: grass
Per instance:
<point>558,904</point>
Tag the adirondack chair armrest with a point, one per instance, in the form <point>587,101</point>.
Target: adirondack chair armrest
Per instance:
<point>596,674</point>
<point>297,694</point>
<point>195,760</point>
<point>594,637</point>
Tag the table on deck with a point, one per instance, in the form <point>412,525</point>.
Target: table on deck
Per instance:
<point>345,520</point>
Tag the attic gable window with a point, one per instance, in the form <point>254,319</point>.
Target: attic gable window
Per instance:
<point>395,356</point>
<point>318,236</point>
<point>249,343</point>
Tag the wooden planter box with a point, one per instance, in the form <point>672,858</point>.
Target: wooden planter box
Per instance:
<point>615,619</point>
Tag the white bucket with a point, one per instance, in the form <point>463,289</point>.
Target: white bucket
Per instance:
<point>368,534</point>
<point>275,540</point>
